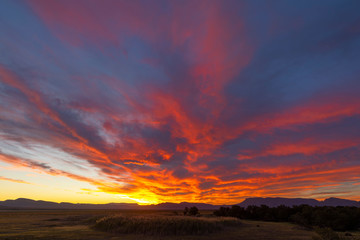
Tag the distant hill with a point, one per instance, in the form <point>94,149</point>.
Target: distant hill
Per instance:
<point>274,202</point>
<point>24,203</point>
<point>4,208</point>
<point>339,202</point>
<point>182,205</point>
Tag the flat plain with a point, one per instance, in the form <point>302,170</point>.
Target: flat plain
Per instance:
<point>70,224</point>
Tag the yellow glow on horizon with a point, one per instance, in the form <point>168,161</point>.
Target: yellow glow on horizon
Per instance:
<point>42,186</point>
<point>25,182</point>
<point>140,201</point>
<point>39,185</point>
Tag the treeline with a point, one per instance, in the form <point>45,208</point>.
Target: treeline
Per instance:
<point>336,218</point>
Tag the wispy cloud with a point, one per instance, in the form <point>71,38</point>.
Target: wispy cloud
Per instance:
<point>13,180</point>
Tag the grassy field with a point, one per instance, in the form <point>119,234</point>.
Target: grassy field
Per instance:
<point>79,224</point>
<point>157,225</point>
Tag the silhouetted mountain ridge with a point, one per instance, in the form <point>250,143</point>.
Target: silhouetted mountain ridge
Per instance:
<point>24,203</point>
<point>274,202</point>
<point>182,205</point>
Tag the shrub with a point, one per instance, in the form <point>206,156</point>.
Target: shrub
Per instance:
<point>193,211</point>
<point>186,211</point>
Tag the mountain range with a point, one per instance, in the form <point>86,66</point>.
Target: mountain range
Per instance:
<point>23,203</point>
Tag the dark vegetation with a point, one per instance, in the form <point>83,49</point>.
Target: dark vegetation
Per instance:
<point>335,218</point>
<point>193,211</point>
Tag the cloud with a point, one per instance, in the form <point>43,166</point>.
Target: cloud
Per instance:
<point>198,101</point>
<point>13,180</point>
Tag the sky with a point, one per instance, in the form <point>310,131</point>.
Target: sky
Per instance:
<point>171,101</point>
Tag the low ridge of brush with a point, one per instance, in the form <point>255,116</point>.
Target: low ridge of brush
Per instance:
<point>163,225</point>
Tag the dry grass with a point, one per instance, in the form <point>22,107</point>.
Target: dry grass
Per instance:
<point>164,225</point>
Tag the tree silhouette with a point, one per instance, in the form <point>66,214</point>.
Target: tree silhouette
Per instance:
<point>193,211</point>
<point>186,211</point>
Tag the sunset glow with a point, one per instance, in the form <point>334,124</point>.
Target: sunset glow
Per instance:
<point>172,101</point>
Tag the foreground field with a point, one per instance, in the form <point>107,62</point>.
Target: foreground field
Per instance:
<point>61,224</point>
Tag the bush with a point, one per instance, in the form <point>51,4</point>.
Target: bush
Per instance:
<point>163,225</point>
<point>193,211</point>
<point>186,211</point>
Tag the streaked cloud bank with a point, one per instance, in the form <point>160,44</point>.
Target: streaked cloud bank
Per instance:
<point>206,101</point>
